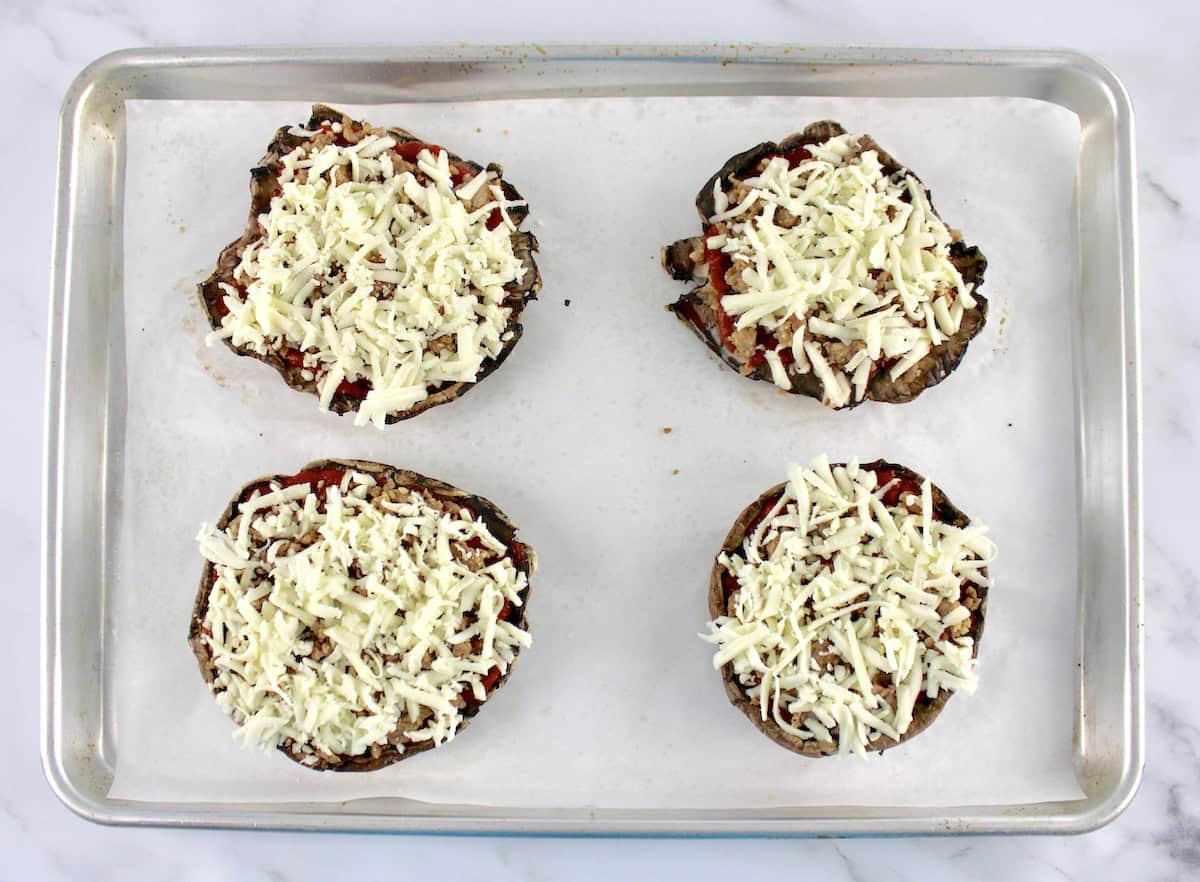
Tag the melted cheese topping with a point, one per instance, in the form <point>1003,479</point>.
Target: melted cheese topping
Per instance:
<point>848,610</point>
<point>377,273</point>
<point>840,253</point>
<point>359,626</point>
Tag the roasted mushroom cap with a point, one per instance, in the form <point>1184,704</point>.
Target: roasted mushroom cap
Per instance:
<point>679,260</point>
<point>497,523</point>
<point>264,179</point>
<point>926,709</point>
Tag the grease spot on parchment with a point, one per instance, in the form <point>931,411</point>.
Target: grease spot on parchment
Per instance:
<point>1001,345</point>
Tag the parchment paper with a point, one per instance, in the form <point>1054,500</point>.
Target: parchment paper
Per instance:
<point>616,704</point>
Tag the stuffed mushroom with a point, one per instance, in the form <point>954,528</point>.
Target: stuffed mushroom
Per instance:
<point>379,272</point>
<point>354,614</point>
<point>823,268</point>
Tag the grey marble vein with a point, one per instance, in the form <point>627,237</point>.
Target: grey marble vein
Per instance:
<point>1160,190</point>
<point>1182,836</point>
<point>853,873</point>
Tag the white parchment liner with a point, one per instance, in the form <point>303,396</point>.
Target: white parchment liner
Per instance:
<point>616,704</point>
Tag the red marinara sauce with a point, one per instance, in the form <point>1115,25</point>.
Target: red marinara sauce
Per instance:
<point>904,486</point>
<point>316,477</point>
<point>354,389</point>
<point>718,265</point>
<point>410,150</point>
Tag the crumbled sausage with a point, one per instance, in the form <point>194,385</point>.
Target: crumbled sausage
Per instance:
<point>970,598</point>
<point>322,647</point>
<point>944,609</point>
<point>786,332</point>
<point>709,298</point>
<point>884,687</point>
<point>354,133</point>
<point>824,654</point>
<point>440,344</point>
<point>395,494</point>
<point>744,343</point>
<point>433,502</point>
<point>474,559</point>
<point>331,759</point>
<point>323,138</point>
<point>838,354</point>
<point>734,278</point>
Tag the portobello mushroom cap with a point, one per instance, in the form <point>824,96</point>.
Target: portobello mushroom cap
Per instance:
<point>926,709</point>
<point>497,523</point>
<point>264,179</point>
<point>679,260</point>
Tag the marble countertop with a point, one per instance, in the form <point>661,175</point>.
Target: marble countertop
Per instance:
<point>1152,46</point>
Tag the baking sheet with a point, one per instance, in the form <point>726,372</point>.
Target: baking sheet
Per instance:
<point>616,704</point>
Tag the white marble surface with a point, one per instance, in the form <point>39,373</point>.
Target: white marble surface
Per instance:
<point>1153,46</point>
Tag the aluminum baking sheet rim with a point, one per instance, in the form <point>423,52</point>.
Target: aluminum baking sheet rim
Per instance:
<point>1110,105</point>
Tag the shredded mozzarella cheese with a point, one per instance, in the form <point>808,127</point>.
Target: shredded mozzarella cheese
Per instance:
<point>848,610</point>
<point>857,256</point>
<point>354,617</point>
<point>376,275</point>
